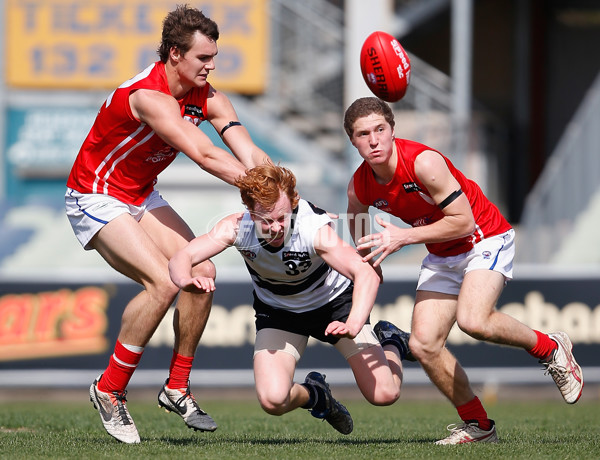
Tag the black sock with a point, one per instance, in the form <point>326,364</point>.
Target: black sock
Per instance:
<point>317,400</point>
<point>399,346</point>
<point>312,396</point>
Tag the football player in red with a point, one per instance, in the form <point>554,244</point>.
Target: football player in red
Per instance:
<point>471,249</point>
<point>114,209</point>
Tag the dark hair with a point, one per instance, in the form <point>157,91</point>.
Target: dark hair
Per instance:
<point>179,27</point>
<point>364,107</point>
<point>264,184</point>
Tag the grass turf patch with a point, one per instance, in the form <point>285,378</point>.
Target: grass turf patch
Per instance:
<point>408,429</point>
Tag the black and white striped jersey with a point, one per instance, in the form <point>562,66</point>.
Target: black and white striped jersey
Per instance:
<point>292,277</point>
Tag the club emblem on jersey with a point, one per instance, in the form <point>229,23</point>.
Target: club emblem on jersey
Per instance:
<point>382,204</point>
<point>193,114</point>
<point>251,255</point>
<point>162,155</point>
<point>486,254</point>
<point>421,221</point>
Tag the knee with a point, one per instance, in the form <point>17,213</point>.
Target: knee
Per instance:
<point>384,396</point>
<point>272,404</point>
<point>474,327</point>
<point>206,269</point>
<point>422,349</point>
<point>164,291</point>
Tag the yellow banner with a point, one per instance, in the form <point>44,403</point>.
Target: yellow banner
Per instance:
<point>86,44</point>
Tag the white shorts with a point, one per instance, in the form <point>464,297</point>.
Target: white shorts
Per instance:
<point>446,274</point>
<point>89,212</point>
<point>295,344</point>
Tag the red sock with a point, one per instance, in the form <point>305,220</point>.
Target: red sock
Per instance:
<point>474,410</point>
<point>120,368</point>
<point>179,371</point>
<point>544,346</point>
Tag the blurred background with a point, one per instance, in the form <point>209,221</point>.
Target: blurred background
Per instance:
<point>509,90</point>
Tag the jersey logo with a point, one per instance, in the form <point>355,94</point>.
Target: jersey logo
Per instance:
<point>248,254</point>
<point>294,255</point>
<point>382,204</point>
<point>425,220</point>
<point>410,187</point>
<point>193,114</point>
<point>162,155</point>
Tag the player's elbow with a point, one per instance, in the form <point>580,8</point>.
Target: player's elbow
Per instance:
<point>464,227</point>
<point>469,228</point>
<point>366,276</point>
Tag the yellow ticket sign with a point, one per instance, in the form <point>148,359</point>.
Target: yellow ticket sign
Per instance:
<point>83,44</point>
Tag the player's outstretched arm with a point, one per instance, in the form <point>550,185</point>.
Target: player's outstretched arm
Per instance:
<point>222,115</point>
<point>162,113</point>
<point>202,248</point>
<point>343,258</point>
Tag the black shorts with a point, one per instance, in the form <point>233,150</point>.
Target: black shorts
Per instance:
<point>311,323</point>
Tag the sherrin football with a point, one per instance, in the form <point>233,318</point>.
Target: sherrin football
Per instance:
<point>385,66</point>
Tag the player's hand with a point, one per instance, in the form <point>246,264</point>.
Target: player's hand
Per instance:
<point>200,284</point>
<point>386,242</point>
<point>340,329</point>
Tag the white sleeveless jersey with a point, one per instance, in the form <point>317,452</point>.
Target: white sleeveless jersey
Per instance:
<point>292,277</point>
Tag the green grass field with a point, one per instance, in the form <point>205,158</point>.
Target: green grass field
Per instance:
<point>406,430</point>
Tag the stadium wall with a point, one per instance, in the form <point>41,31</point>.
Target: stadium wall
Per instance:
<point>70,329</point>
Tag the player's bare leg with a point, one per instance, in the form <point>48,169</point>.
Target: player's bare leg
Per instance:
<point>378,374</point>
<point>274,379</point>
<point>189,320</point>
<point>130,250</point>
<point>433,318</point>
<point>119,243</point>
<point>278,393</point>
<point>477,316</point>
<point>171,233</point>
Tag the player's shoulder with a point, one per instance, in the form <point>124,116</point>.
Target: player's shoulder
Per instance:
<point>310,217</point>
<point>228,228</point>
<point>429,159</point>
<point>310,208</point>
<point>214,97</point>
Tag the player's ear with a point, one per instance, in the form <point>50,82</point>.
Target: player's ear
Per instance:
<point>175,54</point>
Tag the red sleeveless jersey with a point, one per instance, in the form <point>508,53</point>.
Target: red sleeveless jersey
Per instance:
<point>407,198</point>
<point>122,156</point>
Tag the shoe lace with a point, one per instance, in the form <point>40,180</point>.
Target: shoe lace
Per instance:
<point>188,398</point>
<point>123,413</point>
<point>459,430</point>
<point>558,373</point>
